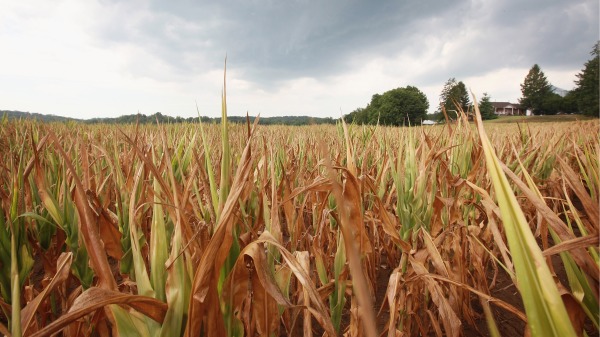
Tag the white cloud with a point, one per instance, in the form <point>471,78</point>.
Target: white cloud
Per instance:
<point>103,58</point>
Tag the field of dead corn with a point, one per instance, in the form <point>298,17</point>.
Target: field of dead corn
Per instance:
<point>347,230</point>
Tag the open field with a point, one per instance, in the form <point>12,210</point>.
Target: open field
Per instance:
<point>235,230</point>
<point>541,119</point>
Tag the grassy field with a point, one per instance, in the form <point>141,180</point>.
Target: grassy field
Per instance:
<point>541,119</point>
<point>242,230</point>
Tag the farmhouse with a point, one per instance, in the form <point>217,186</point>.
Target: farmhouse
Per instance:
<point>508,109</point>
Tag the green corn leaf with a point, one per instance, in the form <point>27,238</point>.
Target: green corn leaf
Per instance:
<point>15,322</point>
<point>129,323</point>
<point>141,274</point>
<point>226,155</point>
<point>159,250</point>
<point>545,309</point>
<point>209,169</point>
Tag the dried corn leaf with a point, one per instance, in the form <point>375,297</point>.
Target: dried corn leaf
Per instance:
<point>97,298</point>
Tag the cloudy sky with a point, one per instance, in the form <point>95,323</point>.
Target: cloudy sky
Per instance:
<point>106,58</point>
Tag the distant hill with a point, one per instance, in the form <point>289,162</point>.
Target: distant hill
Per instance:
<point>559,91</point>
<point>33,115</point>
<point>144,119</point>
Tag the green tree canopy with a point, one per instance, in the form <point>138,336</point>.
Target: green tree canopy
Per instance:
<point>454,97</point>
<point>535,90</point>
<point>587,90</point>
<point>486,108</point>
<point>552,104</point>
<point>570,103</point>
<point>400,106</point>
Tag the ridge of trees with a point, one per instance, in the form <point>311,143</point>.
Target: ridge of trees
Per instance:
<point>164,119</point>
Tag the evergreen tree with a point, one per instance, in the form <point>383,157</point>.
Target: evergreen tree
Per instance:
<point>569,103</point>
<point>587,90</point>
<point>454,97</point>
<point>535,90</point>
<point>445,94</point>
<point>552,104</point>
<point>486,108</point>
<point>462,96</point>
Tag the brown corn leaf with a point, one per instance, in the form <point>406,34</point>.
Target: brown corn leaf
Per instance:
<point>251,287</point>
<point>204,302</point>
<point>63,266</point>
<point>5,306</point>
<point>574,181</point>
<point>392,299</point>
<point>31,162</point>
<point>88,231</point>
<point>97,298</point>
<point>352,227</point>
<point>304,260</point>
<point>319,184</point>
<point>353,204</point>
<point>319,311</point>
<point>450,320</point>
<point>493,212</point>
<point>581,242</point>
<point>107,227</point>
<point>576,313</point>
<point>4,331</point>
<point>497,302</point>
<point>350,163</point>
<point>435,323</point>
<point>436,258</point>
<point>388,220</point>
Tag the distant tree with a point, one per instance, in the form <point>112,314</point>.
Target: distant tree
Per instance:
<point>535,89</point>
<point>403,106</point>
<point>450,83</point>
<point>569,103</point>
<point>587,90</point>
<point>486,108</point>
<point>400,106</point>
<point>436,116</point>
<point>372,109</point>
<point>552,104</point>
<point>461,95</point>
<point>358,116</point>
<point>454,97</point>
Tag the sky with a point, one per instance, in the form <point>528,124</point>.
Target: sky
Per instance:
<point>107,58</point>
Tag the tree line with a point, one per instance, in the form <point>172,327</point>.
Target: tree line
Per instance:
<point>165,119</point>
<point>540,98</point>
<point>408,105</point>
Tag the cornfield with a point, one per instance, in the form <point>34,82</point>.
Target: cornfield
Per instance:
<point>244,230</point>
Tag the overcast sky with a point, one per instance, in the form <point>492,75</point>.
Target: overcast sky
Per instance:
<point>107,58</point>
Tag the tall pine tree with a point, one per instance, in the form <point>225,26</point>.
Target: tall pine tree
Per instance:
<point>454,96</point>
<point>535,90</point>
<point>587,91</point>
<point>486,108</point>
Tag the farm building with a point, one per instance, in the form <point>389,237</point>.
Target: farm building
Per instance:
<point>508,109</point>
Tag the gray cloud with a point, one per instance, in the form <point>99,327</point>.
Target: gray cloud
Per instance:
<point>516,34</point>
<point>274,41</point>
<point>335,53</point>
